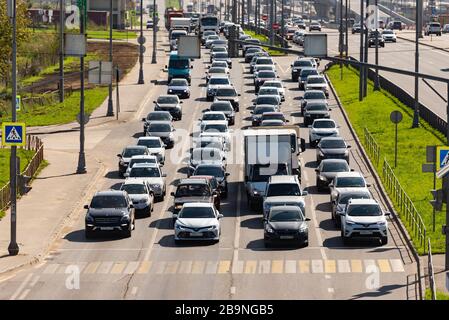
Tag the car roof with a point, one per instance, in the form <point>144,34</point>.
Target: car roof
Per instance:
<point>205,149</point>
<point>219,76</point>
<point>363,201</point>
<point>315,76</point>
<point>321,120</point>
<point>213,112</point>
<point>314,91</point>
<point>135,147</point>
<point>160,112</point>
<point>346,191</point>
<point>134,181</point>
<point>348,174</point>
<point>283,179</point>
<point>145,165</point>
<point>192,181</point>
<point>110,193</point>
<point>217,121</point>
<point>146,156</point>
<point>198,204</point>
<point>283,199</point>
<point>167,96</point>
<point>149,137</point>
<point>216,164</point>
<point>334,161</point>
<point>226,86</point>
<point>332,138</point>
<point>285,208</point>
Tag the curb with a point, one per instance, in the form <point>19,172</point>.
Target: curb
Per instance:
<point>381,187</point>
<point>73,214</point>
<point>424,44</point>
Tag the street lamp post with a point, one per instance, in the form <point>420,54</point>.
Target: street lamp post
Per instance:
<point>82,157</point>
<point>155,23</point>
<point>61,49</point>
<point>376,80</point>
<point>362,31</point>
<point>415,123</point>
<point>110,111</point>
<point>141,80</point>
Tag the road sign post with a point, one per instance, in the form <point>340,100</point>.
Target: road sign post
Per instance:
<point>431,167</point>
<point>396,117</point>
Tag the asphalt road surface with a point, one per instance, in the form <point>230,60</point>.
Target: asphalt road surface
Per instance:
<point>150,266</point>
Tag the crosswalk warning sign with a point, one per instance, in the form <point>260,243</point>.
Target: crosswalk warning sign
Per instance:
<point>13,134</point>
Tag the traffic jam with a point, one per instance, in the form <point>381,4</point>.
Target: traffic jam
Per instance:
<point>271,147</point>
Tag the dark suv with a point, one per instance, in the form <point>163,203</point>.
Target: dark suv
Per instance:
<point>110,211</point>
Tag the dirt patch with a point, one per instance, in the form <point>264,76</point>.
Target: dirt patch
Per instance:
<point>125,56</point>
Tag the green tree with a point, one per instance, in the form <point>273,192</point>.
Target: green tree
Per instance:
<point>23,36</point>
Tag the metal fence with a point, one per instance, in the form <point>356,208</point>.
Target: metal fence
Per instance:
<point>33,143</point>
<point>371,146</point>
<point>51,97</point>
<point>432,286</point>
<point>405,205</point>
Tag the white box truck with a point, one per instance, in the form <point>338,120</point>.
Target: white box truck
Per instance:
<point>180,23</point>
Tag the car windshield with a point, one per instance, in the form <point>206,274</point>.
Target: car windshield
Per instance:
<point>263,173</point>
<point>219,49</point>
<point>308,72</point>
<point>267,100</point>
<point>110,201</point>
<point>178,83</point>
<point>268,91</point>
<point>332,144</point>
<point>283,189</point>
<point>144,160</point>
<point>387,32</point>
<point>272,84</point>
<point>266,74</point>
<point>221,107</point>
<point>209,171</point>
<point>217,70</point>
<point>314,95</point>
<point>316,107</point>
<point>264,61</point>
<point>286,215</point>
<point>221,64</point>
<point>192,190</point>
<point>253,40</point>
<point>129,152</point>
<point>273,116</point>
<point>335,167</point>
<point>215,81</point>
<point>178,63</point>
<point>176,35</point>
<point>213,116</point>
<point>159,127</point>
<point>350,182</point>
<point>221,55</point>
<point>261,110</point>
<point>225,92</point>
<point>213,37</point>
<point>156,116</point>
<point>211,144</point>
<point>215,127</point>
<point>134,188</point>
<point>252,50</point>
<point>345,198</point>
<point>316,80</point>
<point>149,143</point>
<point>197,213</point>
<point>167,100</point>
<point>323,124</point>
<point>291,30</point>
<point>150,172</point>
<point>209,33</point>
<point>302,63</point>
<point>364,210</point>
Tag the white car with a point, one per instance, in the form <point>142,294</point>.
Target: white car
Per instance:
<point>220,64</point>
<point>317,83</point>
<point>155,146</point>
<point>343,180</point>
<point>197,221</point>
<point>277,84</point>
<point>208,155</point>
<point>216,135</point>
<point>141,159</point>
<point>364,218</point>
<point>322,128</point>
<point>214,82</point>
<point>152,174</point>
<point>141,195</point>
<point>219,128</point>
<point>283,201</point>
<point>287,187</point>
<point>389,35</point>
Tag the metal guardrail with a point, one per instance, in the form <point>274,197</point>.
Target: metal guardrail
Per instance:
<point>33,143</point>
<point>405,204</point>
<point>432,285</point>
<point>278,39</point>
<point>371,146</point>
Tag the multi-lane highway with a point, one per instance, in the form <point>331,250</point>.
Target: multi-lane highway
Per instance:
<point>149,265</point>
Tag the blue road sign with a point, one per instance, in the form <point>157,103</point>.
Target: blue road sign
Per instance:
<point>442,157</point>
<point>13,134</point>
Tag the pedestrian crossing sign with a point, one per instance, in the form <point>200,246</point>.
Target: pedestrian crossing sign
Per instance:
<point>442,157</point>
<point>13,134</point>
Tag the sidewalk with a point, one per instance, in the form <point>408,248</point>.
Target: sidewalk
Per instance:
<point>433,41</point>
<point>58,194</point>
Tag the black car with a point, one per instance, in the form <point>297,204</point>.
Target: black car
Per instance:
<point>327,170</point>
<point>155,116</point>
<point>110,211</point>
<point>226,108</point>
<point>315,110</point>
<point>332,148</point>
<point>298,65</point>
<point>126,155</point>
<point>286,223</point>
<point>375,37</point>
<point>217,171</point>
<point>228,93</point>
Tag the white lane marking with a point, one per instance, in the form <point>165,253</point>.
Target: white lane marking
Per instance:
<point>185,267</point>
<point>396,265</point>
<point>233,290</point>
<point>34,281</point>
<point>368,263</point>
<point>264,266</point>
<point>211,267</point>
<point>237,267</point>
<point>51,268</point>
<point>343,266</point>
<point>132,267</point>
<point>235,255</point>
<point>134,291</point>
<point>315,222</point>
<point>330,290</point>
<point>317,266</point>
<point>22,285</point>
<point>290,266</point>
<point>24,294</point>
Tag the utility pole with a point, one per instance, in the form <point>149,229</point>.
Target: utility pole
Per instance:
<point>446,185</point>
<point>234,11</point>
<point>347,30</point>
<point>340,39</point>
<point>155,26</point>
<point>376,17</point>
<point>282,23</point>
<point>110,111</point>
<point>415,123</point>
<point>362,31</point>
<point>242,18</point>
<point>82,157</point>
<point>61,49</point>
<point>141,80</point>
<point>365,69</point>
<point>13,247</point>
<point>270,27</point>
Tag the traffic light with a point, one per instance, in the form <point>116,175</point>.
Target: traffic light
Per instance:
<point>437,201</point>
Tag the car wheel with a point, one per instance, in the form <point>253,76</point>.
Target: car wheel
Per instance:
<point>318,185</point>
<point>127,233</point>
<point>88,234</point>
<point>384,240</point>
<point>305,244</point>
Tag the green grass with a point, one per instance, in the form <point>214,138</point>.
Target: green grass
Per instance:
<point>2,214</point>
<point>69,64</point>
<point>99,34</point>
<point>374,114</point>
<point>25,157</point>
<point>64,112</point>
<point>173,3</point>
<point>264,39</point>
<point>440,295</point>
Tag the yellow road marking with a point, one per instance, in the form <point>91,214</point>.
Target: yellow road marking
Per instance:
<point>250,266</point>
<point>171,267</point>
<point>356,266</point>
<point>224,266</point>
<point>144,267</point>
<point>304,266</point>
<point>329,266</point>
<point>92,267</point>
<point>384,265</point>
<point>277,266</point>
<point>118,267</point>
<point>198,267</point>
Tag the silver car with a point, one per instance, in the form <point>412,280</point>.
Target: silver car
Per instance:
<point>141,195</point>
<point>163,130</point>
<point>152,174</point>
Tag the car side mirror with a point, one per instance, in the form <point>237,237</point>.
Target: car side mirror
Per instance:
<point>164,175</point>
<point>181,102</point>
<point>191,67</point>
<point>227,174</point>
<point>303,145</point>
<point>126,174</point>
<point>119,155</point>
<point>305,193</point>
<point>239,94</point>
<point>220,216</point>
<point>144,119</point>
<point>131,206</point>
<point>164,145</point>
<point>368,185</point>
<point>317,170</point>
<point>154,101</point>
<point>331,185</point>
<point>166,67</point>
<point>172,194</point>
<point>86,206</point>
<point>175,216</point>
<point>352,169</point>
<point>307,219</point>
<point>388,213</point>
<point>348,146</point>
<point>287,120</point>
